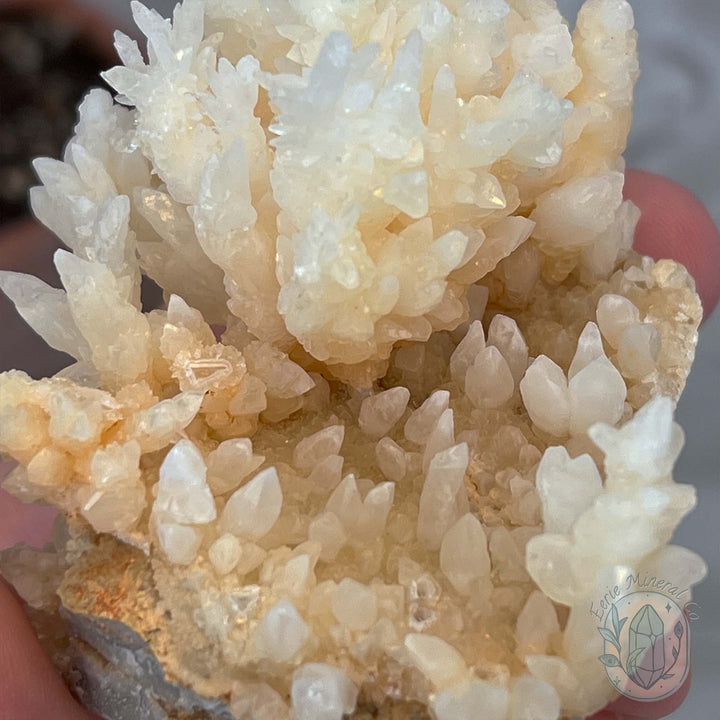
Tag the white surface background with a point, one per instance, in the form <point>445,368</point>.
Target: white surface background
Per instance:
<point>676,133</point>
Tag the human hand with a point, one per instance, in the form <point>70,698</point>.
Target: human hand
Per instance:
<point>674,224</point>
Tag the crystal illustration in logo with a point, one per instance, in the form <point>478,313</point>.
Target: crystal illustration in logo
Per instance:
<point>646,662</point>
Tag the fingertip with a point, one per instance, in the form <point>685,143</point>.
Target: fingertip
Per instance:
<point>675,224</point>
<point>30,687</point>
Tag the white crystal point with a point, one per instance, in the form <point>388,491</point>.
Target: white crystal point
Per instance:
<point>655,511</point>
<point>250,399</point>
<point>544,391</point>
<point>443,499</point>
<point>505,335</point>
<point>423,420</point>
<point>322,692</point>
<point>645,448</point>
<point>230,463</point>
<point>180,314</point>
<point>441,438</point>
<point>464,702</point>
<point>327,530</point>
<point>589,348</point>
<point>326,475</point>
<point>253,509</point>
<point>572,216</point>
<point>536,624</point>
<point>556,672</point>
<point>162,423</point>
<point>466,352</point>
<point>225,553</point>
<point>548,559</point>
<point>312,450</point>
<point>180,543</point>
<point>46,310</point>
<point>533,699</point>
<point>614,314</point>
<point>439,661</point>
<point>375,510</point>
<point>685,567</point>
<point>251,557</point>
<point>380,412</point>
<point>116,498</point>
<point>183,495</point>
<point>345,502</point>
<point>257,701</point>
<point>638,350</point>
<point>489,382</point>
<point>567,487</point>
<point>391,459</point>
<point>354,605</point>
<point>597,394</point>
<point>282,633</point>
<point>117,332</point>
<point>464,557</point>
<point>408,192</point>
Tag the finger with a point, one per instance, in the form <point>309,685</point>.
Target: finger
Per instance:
<point>675,224</point>
<point>20,522</point>
<point>30,687</point>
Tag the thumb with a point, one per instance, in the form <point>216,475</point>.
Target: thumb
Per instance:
<point>30,687</point>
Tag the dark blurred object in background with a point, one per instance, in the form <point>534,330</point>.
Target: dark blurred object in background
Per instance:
<point>50,54</point>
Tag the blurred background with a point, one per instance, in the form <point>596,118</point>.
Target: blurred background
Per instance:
<point>50,50</point>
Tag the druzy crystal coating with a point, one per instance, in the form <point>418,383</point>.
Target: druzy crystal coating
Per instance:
<point>408,405</point>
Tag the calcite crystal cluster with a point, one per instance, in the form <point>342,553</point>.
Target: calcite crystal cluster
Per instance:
<point>408,407</point>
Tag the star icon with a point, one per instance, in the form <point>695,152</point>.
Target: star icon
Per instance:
<point>668,607</point>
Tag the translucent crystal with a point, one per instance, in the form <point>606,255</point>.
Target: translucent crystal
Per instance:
<point>489,381</point>
<point>462,703</point>
<point>281,634</point>
<point>314,449</point>
<point>436,659</point>
<point>464,558</point>
<point>116,498</point>
<point>183,495</point>
<point>354,605</point>
<point>536,623</point>
<point>443,500</point>
<point>391,459</point>
<point>596,394</point>
<point>533,699</point>
<point>544,391</point>
<point>378,413</point>
<point>505,335</point>
<point>253,509</point>
<point>258,701</point>
<point>411,390</point>
<point>423,420</point>
<point>225,553</point>
<point>230,463</point>
<point>615,313</point>
<point>322,692</point>
<point>638,350</point>
<point>180,543</point>
<point>567,486</point>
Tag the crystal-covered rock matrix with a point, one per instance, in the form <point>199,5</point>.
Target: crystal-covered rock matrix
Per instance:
<point>408,405</point>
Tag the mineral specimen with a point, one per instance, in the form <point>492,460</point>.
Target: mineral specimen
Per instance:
<point>409,403</point>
